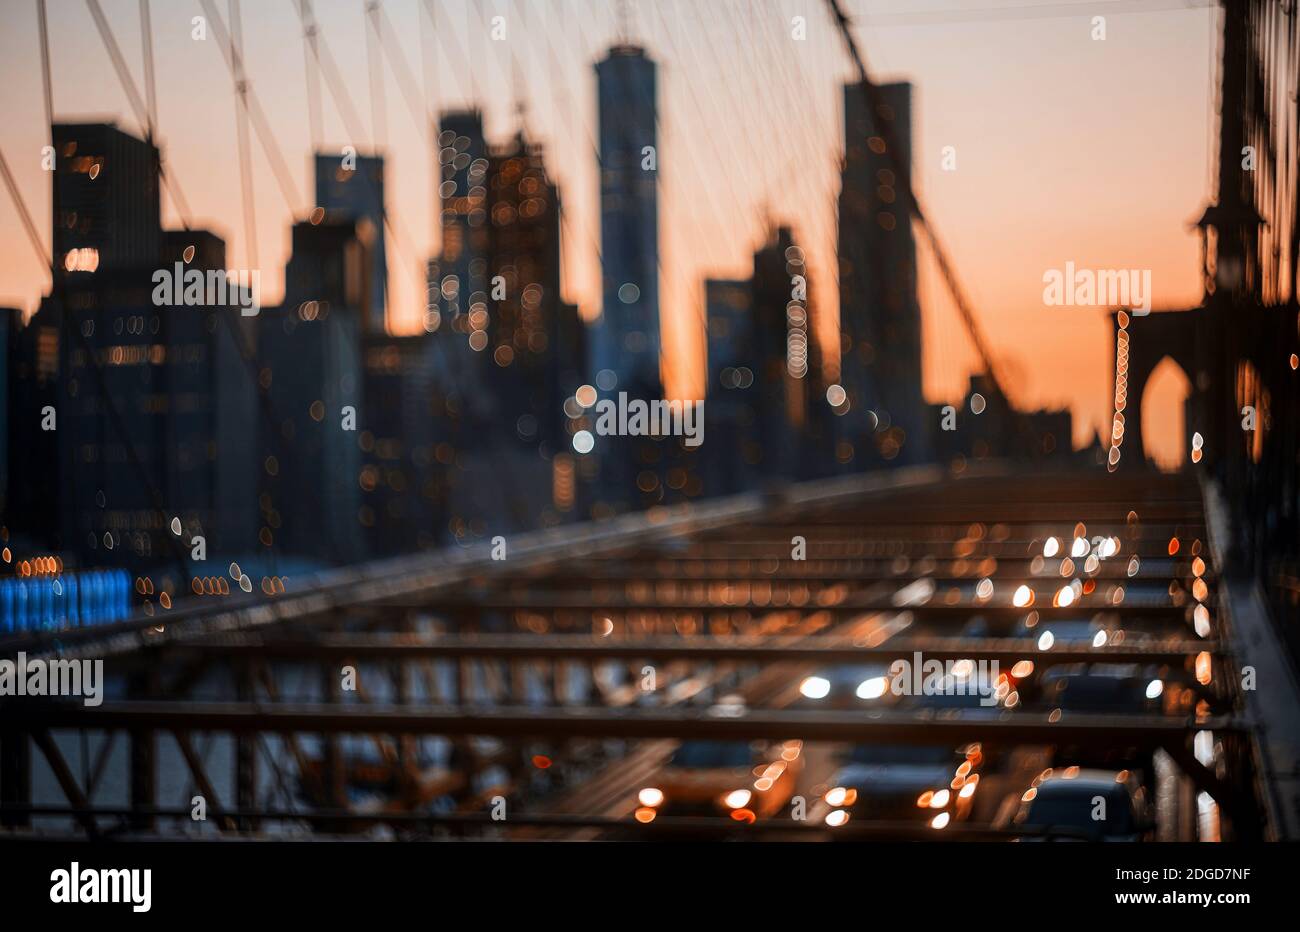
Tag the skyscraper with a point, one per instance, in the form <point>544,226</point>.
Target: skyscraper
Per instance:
<point>10,327</point>
<point>32,503</point>
<point>779,321</point>
<point>880,318</point>
<point>212,404</point>
<point>457,313</point>
<point>626,338</point>
<point>106,205</point>
<point>787,363</point>
<point>154,410</point>
<point>152,400</point>
<point>732,450</point>
<point>402,495</point>
<point>311,354</point>
<point>506,348</point>
<point>530,343</point>
<point>358,192</point>
<point>458,282</point>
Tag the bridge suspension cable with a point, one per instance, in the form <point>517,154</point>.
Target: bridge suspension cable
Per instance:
<point>137,102</point>
<point>875,101</point>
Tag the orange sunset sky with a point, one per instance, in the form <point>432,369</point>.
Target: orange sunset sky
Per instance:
<point>1068,149</point>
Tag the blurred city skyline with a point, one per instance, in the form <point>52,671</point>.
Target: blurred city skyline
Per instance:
<point>353,472</point>
<point>1078,166</point>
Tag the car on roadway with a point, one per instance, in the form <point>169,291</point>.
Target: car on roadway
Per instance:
<point>956,684</point>
<point>1102,688</point>
<point>846,687</point>
<point>742,780</point>
<point>932,784</point>
<point>1078,804</point>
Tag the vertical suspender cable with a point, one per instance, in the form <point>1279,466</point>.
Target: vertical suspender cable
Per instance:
<point>240,77</point>
<point>150,88</point>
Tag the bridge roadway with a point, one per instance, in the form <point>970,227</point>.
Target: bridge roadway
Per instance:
<point>539,658</point>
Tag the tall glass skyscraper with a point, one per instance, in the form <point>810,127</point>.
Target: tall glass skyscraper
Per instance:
<point>626,338</point>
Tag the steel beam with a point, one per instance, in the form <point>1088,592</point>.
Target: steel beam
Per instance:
<point>944,571</point>
<point>692,723</point>
<point>546,601</point>
<point>67,782</point>
<point>200,775</point>
<point>702,649</point>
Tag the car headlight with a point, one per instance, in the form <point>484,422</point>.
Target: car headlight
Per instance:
<point>815,687</point>
<point>940,799</point>
<point>941,820</point>
<point>836,817</point>
<point>1155,688</point>
<point>650,796</point>
<point>737,799</point>
<point>841,796</point>
<point>873,688</point>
